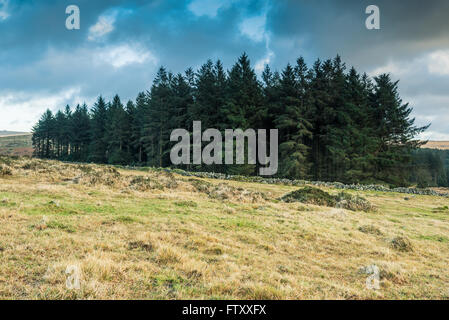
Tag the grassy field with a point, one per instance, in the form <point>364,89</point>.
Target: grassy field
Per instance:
<point>155,235</point>
<point>441,145</point>
<point>4,133</point>
<point>16,144</point>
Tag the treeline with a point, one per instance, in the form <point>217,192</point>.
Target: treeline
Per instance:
<point>334,124</point>
<point>430,168</point>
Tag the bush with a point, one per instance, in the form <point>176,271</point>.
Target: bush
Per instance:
<point>316,196</point>
<point>355,203</point>
<point>141,183</point>
<point>371,230</point>
<point>201,185</point>
<point>311,195</point>
<point>224,191</point>
<point>5,171</point>
<point>401,244</point>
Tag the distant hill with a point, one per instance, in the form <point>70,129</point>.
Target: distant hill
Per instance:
<point>441,145</point>
<point>4,133</point>
<point>15,143</point>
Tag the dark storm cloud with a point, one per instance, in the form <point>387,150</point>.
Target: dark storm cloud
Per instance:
<point>173,33</point>
<point>411,31</point>
<point>408,28</point>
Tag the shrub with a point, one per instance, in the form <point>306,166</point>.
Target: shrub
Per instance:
<point>5,170</point>
<point>145,183</point>
<point>311,195</point>
<point>224,191</point>
<point>316,196</point>
<point>401,244</point>
<point>201,185</point>
<point>355,203</point>
<point>371,230</point>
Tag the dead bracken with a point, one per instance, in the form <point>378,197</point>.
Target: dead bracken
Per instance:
<point>5,170</point>
<point>224,191</point>
<point>401,244</point>
<point>141,183</point>
<point>140,245</point>
<point>370,230</point>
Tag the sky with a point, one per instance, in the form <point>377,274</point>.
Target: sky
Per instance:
<point>121,44</point>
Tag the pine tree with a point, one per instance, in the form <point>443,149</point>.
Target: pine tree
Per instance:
<point>292,123</point>
<point>339,124</point>
<point>244,99</point>
<point>209,93</point>
<point>60,123</point>
<point>271,94</point>
<point>361,135</point>
<point>117,133</point>
<point>322,116</point>
<point>333,125</point>
<point>156,136</point>
<point>43,134</point>
<point>137,127</point>
<point>98,144</point>
<point>244,108</point>
<point>131,114</point>
<point>67,133</point>
<point>395,132</point>
<point>80,133</point>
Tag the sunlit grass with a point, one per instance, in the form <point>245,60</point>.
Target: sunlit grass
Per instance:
<point>178,243</point>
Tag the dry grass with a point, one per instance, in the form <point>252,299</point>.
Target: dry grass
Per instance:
<point>441,145</point>
<point>154,235</point>
<point>15,144</point>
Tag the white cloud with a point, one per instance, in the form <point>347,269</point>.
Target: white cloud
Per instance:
<point>269,55</point>
<point>19,111</point>
<point>124,55</point>
<point>207,7</point>
<point>433,63</point>
<point>104,25</point>
<point>4,9</point>
<point>260,64</point>
<point>123,69</point>
<point>423,82</point>
<point>435,136</point>
<point>254,27</point>
<point>439,62</point>
<point>390,67</point>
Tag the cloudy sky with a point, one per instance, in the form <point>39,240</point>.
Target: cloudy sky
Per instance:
<point>121,44</point>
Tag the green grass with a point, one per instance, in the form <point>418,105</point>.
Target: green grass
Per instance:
<point>437,238</point>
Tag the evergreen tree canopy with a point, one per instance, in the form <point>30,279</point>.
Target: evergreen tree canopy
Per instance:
<point>334,124</point>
